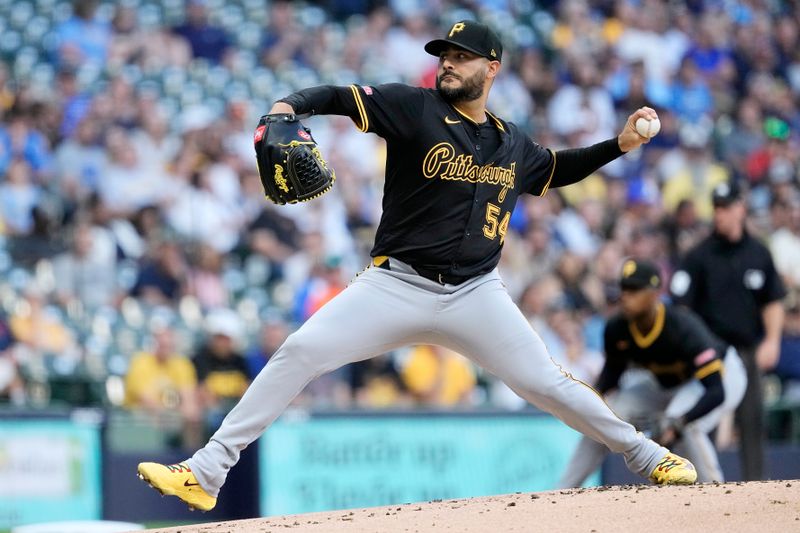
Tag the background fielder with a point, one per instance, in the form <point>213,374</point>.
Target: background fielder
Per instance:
<point>692,378</point>
<point>453,174</point>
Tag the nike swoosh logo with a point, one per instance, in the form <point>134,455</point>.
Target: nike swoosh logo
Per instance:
<point>448,120</point>
<point>187,484</point>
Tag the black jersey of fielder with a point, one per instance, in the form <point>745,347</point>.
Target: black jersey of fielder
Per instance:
<point>447,203</point>
<point>679,347</point>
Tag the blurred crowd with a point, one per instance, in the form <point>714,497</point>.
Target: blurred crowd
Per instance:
<point>140,265</point>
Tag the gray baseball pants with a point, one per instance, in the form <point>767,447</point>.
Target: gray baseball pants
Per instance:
<point>382,310</point>
<point>640,397</point>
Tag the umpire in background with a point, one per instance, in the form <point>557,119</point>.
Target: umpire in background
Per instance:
<point>729,279</point>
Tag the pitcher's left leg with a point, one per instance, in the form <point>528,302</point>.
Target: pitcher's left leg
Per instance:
<point>484,324</point>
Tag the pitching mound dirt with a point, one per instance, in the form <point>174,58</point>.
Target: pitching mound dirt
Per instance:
<point>730,507</point>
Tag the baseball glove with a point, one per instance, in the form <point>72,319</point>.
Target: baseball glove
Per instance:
<point>669,431</point>
<point>290,164</point>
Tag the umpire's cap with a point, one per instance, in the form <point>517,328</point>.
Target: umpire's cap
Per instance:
<point>639,274</point>
<point>473,36</point>
<point>725,193</point>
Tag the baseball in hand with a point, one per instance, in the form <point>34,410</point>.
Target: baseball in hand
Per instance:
<point>648,128</point>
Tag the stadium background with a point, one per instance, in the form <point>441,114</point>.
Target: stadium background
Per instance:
<point>131,217</point>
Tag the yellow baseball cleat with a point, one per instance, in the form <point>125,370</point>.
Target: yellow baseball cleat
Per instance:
<point>673,470</point>
<point>177,480</point>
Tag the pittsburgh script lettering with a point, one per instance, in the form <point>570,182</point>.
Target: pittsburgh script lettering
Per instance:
<point>442,161</point>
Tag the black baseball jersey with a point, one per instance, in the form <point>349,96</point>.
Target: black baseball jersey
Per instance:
<point>678,348</point>
<point>728,284</point>
<point>451,184</point>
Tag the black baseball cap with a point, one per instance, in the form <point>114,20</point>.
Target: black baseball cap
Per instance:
<point>475,37</point>
<point>725,193</point>
<point>639,274</point>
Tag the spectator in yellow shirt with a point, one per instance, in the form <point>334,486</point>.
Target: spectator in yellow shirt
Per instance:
<point>39,329</point>
<point>438,376</point>
<point>163,383</point>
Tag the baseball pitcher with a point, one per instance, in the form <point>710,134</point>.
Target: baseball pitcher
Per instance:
<point>454,172</point>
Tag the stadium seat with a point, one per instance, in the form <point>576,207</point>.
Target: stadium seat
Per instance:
<point>20,15</point>
<point>10,41</point>
<point>35,30</point>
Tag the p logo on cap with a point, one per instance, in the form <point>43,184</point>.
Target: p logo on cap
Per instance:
<point>457,27</point>
<point>472,36</point>
<point>639,274</point>
<point>628,269</point>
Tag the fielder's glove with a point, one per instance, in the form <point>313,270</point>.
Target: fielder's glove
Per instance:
<point>670,430</point>
<point>291,166</point>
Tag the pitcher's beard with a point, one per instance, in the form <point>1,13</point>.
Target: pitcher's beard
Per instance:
<point>471,89</point>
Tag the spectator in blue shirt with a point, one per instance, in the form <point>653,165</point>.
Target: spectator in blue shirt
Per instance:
<point>75,104</point>
<point>18,196</point>
<point>207,41</point>
<point>788,368</point>
<point>283,39</point>
<point>272,334</point>
<point>709,57</point>
<point>82,38</point>
<point>19,141</point>
<point>161,280</point>
<point>691,97</point>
